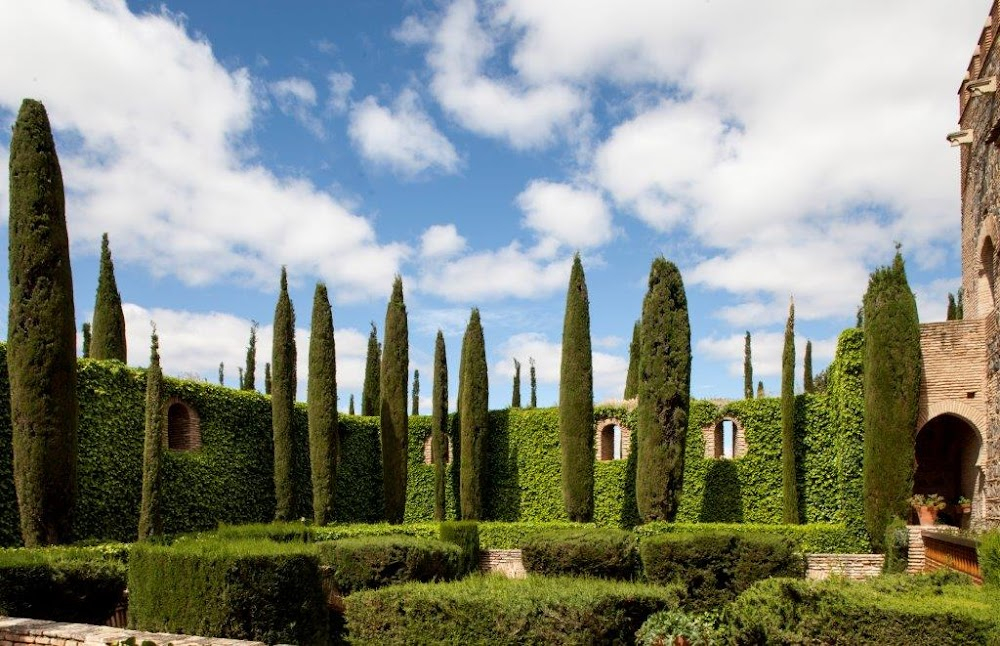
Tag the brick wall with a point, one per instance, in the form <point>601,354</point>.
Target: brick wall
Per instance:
<point>954,354</point>
<point>505,562</point>
<point>851,566</point>
<point>15,631</point>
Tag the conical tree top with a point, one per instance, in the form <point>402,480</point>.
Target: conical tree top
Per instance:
<point>108,330</point>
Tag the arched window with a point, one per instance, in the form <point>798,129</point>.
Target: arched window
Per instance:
<point>429,450</point>
<point>612,440</point>
<point>986,277</point>
<point>724,440</point>
<point>183,426</point>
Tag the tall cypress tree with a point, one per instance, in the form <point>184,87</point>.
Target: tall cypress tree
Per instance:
<point>892,366</point>
<point>322,407</point>
<point>789,488</point>
<point>86,340</point>
<point>283,401</point>
<point>108,330</point>
<point>370,390</point>
<point>664,393</point>
<point>747,369</point>
<point>632,376</point>
<point>807,369</point>
<point>395,372</point>
<point>41,334</point>
<point>416,392</point>
<point>960,304</point>
<point>150,513</point>
<point>439,423</point>
<point>249,375</point>
<point>515,397</point>
<point>350,405</point>
<point>473,407</point>
<point>576,401</point>
<point>267,378</point>
<point>534,385</point>
<point>952,312</point>
<point>239,377</point>
<point>760,390</point>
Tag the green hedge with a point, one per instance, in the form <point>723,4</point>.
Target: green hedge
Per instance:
<point>378,561</point>
<point>495,610</point>
<point>893,610</point>
<point>464,534</point>
<point>818,538</point>
<point>989,557</point>
<point>255,590</point>
<point>306,533</point>
<point>604,553</point>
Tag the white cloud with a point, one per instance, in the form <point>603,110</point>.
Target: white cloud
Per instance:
<point>296,98</point>
<point>495,274</point>
<point>575,217</point>
<point>932,298</point>
<point>441,241</point>
<point>402,138</point>
<point>765,352</point>
<point>341,84</point>
<point>177,188</point>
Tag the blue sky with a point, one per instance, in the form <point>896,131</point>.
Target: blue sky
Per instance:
<point>770,149</point>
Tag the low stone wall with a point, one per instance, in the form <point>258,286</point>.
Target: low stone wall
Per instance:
<point>16,632</point>
<point>505,562</point>
<point>851,566</point>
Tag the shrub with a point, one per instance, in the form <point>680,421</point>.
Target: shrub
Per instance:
<point>464,534</point>
<point>816,538</point>
<point>989,557</point>
<point>892,610</point>
<point>495,610</point>
<point>714,567</point>
<point>78,585</point>
<point>897,547</point>
<point>242,589</point>
<point>663,629</point>
<point>291,532</point>
<point>512,536</point>
<point>377,561</point>
<point>597,552</point>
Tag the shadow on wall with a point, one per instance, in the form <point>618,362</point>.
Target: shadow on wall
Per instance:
<point>722,500</point>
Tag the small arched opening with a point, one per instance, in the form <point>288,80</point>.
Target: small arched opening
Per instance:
<point>429,450</point>
<point>947,454</point>
<point>724,440</point>
<point>612,441</point>
<point>183,426</point>
<point>986,276</point>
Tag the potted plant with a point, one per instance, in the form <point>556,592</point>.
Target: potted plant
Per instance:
<point>927,507</point>
<point>964,505</point>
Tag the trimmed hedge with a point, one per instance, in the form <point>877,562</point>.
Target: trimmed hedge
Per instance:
<point>989,557</point>
<point>255,590</point>
<point>893,610</point>
<point>715,567</point>
<point>595,552</point>
<point>301,532</point>
<point>495,610</point>
<point>818,538</point>
<point>495,535</point>
<point>464,534</point>
<point>378,561</point>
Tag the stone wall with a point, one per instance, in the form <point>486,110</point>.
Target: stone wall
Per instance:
<point>505,562</point>
<point>15,631</point>
<point>851,566</point>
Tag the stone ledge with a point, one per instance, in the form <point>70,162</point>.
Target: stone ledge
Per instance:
<point>851,566</point>
<point>18,631</point>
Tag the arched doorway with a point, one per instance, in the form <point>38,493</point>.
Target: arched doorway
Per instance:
<point>986,276</point>
<point>947,453</point>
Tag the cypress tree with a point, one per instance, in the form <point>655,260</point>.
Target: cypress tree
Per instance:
<point>416,392</point>
<point>892,366</point>
<point>534,384</point>
<point>322,407</point>
<point>515,397</point>
<point>350,406</point>
<point>632,377</point>
<point>807,369</point>
<point>370,390</point>
<point>952,312</point>
<point>86,340</point>
<point>960,304</point>
<point>249,375</point>
<point>267,378</point>
<point>473,407</point>
<point>283,401</point>
<point>760,390</point>
<point>221,374</point>
<point>576,401</point>
<point>789,488</point>
<point>747,369</point>
<point>41,329</point>
<point>239,377</point>
<point>664,393</point>
<point>439,423</point>
<point>108,330</point>
<point>150,513</point>
<point>395,371</point>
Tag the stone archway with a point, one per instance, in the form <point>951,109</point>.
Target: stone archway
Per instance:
<point>183,426</point>
<point>949,456</point>
<point>986,266</point>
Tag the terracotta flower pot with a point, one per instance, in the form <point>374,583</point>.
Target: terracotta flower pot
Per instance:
<point>927,515</point>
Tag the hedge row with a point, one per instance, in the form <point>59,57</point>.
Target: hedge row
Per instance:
<point>604,553</point>
<point>378,561</point>
<point>817,538</point>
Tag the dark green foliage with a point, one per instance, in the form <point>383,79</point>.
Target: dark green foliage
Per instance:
<point>760,390</point>
<point>603,553</point>
<point>464,534</point>
<point>495,535</point>
<point>632,376</point>
<point>283,402</point>
<point>847,409</point>
<point>747,369</point>
<point>714,568</point>
<point>41,333</point>
<point>897,547</point>
<point>515,398</point>
<point>534,385</point>
<point>473,407</point>
<point>989,558</point>
<point>252,590</point>
<point>395,371</point>
<point>239,377</point>
<point>666,627</point>
<point>86,340</point>
<point>324,439</point>
<point>60,585</point>
<point>789,488</point>
<point>576,401</point>
<point>817,538</point>
<point>267,378</point>
<point>370,391</point>
<point>221,374</point>
<point>350,405</point>
<point>960,304</point>
<point>495,610</point>
<point>664,393</point>
<point>416,392</point>
<point>378,561</point>
<point>301,532</point>
<point>807,369</point>
<point>894,611</point>
<point>151,512</point>
<point>107,339</point>
<point>892,366</point>
<point>249,381</point>
<point>439,424</point>
<point>952,312</point>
